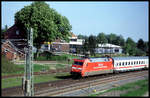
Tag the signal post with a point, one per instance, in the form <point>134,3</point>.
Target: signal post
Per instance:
<point>27,81</point>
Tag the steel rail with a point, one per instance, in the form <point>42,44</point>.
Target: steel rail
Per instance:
<point>77,86</point>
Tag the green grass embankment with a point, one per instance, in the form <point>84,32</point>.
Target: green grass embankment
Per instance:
<point>17,81</point>
<point>138,88</point>
<point>8,68</point>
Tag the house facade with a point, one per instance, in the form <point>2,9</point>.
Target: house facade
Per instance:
<point>62,46</point>
<point>10,51</point>
<point>109,48</point>
<point>75,44</point>
<point>13,43</point>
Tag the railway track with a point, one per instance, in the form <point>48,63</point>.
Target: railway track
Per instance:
<point>83,85</point>
<point>63,86</point>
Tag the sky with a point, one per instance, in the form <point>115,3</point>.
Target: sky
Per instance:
<point>129,19</point>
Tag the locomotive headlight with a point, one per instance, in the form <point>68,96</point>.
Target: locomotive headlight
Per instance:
<point>80,68</point>
<point>73,67</point>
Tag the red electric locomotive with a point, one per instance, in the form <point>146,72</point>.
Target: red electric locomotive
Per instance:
<point>92,66</point>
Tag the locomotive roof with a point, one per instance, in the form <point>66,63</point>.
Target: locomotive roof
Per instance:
<point>129,58</point>
<point>102,59</point>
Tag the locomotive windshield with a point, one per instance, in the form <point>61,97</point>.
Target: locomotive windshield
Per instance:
<point>78,63</point>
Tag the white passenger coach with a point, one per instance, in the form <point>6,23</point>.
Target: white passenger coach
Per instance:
<point>130,63</point>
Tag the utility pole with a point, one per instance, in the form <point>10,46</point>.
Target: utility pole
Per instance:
<point>28,83</point>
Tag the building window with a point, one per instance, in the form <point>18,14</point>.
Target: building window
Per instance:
<point>17,32</point>
<point>73,39</point>
<point>116,50</point>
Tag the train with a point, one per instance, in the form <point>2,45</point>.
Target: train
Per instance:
<point>96,66</point>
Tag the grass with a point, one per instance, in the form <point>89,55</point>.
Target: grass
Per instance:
<point>143,84</point>
<point>137,88</point>
<point>17,81</point>
<point>9,67</point>
<point>37,68</point>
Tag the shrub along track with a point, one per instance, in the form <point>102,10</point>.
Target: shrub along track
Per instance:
<point>57,87</point>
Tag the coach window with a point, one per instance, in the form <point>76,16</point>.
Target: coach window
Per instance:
<point>136,62</point>
<point>128,63</point>
<point>131,63</point>
<point>139,62</point>
<point>116,64</point>
<point>120,63</point>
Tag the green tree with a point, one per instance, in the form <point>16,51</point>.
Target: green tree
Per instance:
<point>130,47</point>
<point>111,38</point>
<point>120,41</point>
<point>92,43</point>
<point>85,47</point>
<point>101,38</point>
<point>146,49</point>
<point>139,52</point>
<point>82,36</point>
<point>141,45</point>
<point>46,22</point>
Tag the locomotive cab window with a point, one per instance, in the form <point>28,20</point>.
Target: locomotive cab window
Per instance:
<point>78,63</point>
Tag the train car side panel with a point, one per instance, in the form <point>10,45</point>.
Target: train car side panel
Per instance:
<point>130,63</point>
<point>93,68</point>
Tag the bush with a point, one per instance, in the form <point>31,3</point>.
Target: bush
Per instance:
<point>59,58</point>
<point>48,56</point>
